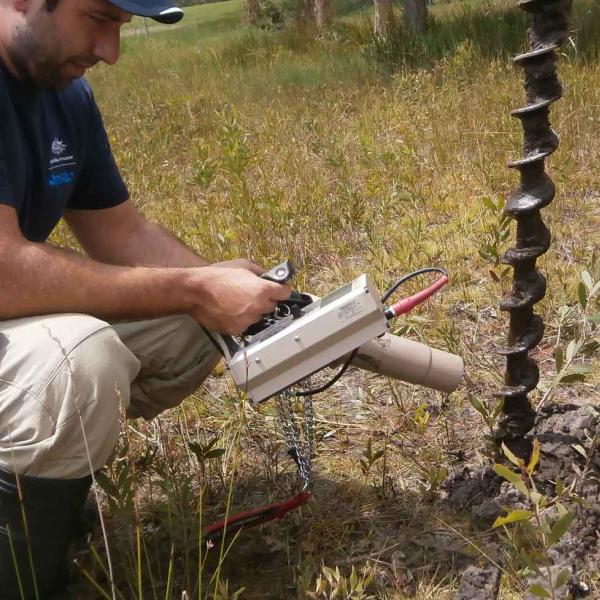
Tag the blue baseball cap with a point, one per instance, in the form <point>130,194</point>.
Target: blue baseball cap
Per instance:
<point>162,11</point>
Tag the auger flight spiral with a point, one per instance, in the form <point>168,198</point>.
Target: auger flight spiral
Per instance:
<point>549,28</point>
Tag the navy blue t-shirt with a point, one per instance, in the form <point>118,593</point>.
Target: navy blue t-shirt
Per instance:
<point>54,154</point>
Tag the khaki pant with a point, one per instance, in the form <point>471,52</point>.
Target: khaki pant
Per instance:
<point>61,374</point>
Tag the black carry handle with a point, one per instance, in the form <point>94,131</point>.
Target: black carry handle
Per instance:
<point>282,273</point>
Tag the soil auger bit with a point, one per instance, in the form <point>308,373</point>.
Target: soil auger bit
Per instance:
<point>549,28</point>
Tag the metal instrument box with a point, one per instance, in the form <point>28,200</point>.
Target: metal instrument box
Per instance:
<point>327,330</point>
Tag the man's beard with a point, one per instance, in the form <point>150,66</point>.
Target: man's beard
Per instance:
<point>33,53</point>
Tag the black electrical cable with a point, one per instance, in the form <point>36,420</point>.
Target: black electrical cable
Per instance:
<point>326,386</point>
<point>384,298</point>
<point>406,278</point>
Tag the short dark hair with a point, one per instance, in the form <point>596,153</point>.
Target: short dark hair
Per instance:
<point>51,5</point>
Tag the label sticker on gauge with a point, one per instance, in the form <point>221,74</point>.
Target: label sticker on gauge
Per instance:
<point>349,310</point>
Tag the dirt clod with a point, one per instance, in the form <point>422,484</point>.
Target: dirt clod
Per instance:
<point>479,583</point>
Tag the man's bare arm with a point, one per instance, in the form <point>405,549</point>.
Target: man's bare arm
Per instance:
<point>122,236</point>
<point>40,279</point>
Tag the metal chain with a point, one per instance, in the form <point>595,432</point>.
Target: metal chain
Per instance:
<point>309,422</point>
<point>302,448</point>
<point>286,420</point>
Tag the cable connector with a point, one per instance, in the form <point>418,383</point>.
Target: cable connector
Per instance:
<point>407,304</point>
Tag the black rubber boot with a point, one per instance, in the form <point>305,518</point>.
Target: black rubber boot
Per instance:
<point>36,527</point>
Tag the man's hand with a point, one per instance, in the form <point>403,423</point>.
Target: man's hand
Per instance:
<point>228,299</point>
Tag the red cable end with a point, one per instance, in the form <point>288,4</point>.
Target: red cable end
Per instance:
<point>407,304</point>
<point>253,518</point>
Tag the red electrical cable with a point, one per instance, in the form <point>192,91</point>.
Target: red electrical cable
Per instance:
<point>253,518</point>
<point>407,304</point>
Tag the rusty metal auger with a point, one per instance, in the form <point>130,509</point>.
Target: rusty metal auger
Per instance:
<point>548,30</point>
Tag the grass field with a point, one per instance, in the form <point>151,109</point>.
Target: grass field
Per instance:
<point>347,156</point>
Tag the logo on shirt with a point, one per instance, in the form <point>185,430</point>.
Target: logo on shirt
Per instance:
<point>62,161</point>
<point>59,179</point>
<point>58,147</point>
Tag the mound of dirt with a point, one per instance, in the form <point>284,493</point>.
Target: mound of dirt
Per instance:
<point>569,437</point>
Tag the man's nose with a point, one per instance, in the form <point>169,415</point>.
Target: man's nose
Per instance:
<point>108,46</point>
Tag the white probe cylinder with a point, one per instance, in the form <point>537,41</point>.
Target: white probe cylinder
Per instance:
<point>409,361</point>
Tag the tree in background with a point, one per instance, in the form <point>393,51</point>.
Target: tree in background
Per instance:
<point>323,13</point>
<point>320,12</point>
<point>415,15</point>
<point>385,19</point>
<point>272,13</point>
<point>252,11</point>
